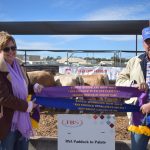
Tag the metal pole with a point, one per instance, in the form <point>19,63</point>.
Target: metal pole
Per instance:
<point>136,44</point>
<point>25,56</point>
<point>114,58</point>
<point>67,58</point>
<point>120,59</point>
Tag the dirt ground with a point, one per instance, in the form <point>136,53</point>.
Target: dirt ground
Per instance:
<point>48,125</point>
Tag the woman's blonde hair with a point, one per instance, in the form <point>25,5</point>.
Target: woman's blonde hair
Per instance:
<point>4,39</point>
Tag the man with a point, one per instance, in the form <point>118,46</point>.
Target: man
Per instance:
<point>137,74</point>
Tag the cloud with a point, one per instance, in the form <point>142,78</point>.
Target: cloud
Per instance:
<point>120,13</point>
<point>3,17</point>
<point>21,44</point>
<point>67,5</point>
<point>3,14</point>
<point>120,37</point>
<point>67,38</point>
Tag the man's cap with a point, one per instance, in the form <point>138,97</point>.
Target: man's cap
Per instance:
<point>146,33</point>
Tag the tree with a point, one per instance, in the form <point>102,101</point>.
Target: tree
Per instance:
<point>49,58</point>
<point>58,57</point>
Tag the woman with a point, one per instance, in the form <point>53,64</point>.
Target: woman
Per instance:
<point>15,125</point>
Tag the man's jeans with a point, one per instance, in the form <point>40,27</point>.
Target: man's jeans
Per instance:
<point>139,141</point>
<point>14,141</point>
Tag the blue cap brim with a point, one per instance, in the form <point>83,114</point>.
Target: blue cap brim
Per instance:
<point>146,37</point>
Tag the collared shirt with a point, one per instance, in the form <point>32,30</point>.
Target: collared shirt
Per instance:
<point>148,76</point>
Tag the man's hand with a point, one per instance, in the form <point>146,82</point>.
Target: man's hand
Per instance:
<point>141,86</point>
<point>145,108</point>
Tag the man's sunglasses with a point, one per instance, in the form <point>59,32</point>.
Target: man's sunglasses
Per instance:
<point>7,49</point>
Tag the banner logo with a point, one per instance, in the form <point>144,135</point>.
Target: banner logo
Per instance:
<point>72,123</point>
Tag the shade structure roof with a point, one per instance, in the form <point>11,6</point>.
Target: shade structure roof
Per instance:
<point>123,27</point>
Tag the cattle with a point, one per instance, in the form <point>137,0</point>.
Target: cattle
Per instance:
<point>85,80</point>
<point>94,80</point>
<point>66,80</point>
<point>44,78</point>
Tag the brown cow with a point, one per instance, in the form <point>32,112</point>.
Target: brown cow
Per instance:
<point>74,80</point>
<point>94,80</point>
<point>44,78</point>
<point>66,80</point>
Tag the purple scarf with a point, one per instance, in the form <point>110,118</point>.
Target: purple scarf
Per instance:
<point>21,120</point>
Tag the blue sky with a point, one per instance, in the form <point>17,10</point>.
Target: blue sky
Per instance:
<point>75,10</point>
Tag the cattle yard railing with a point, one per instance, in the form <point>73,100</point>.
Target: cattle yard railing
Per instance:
<point>50,68</point>
<point>117,55</point>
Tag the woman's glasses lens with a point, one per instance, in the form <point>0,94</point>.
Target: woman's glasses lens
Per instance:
<point>7,49</point>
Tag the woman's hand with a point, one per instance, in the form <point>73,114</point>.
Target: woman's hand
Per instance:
<point>145,108</point>
<point>31,105</point>
<point>38,88</point>
<point>34,104</point>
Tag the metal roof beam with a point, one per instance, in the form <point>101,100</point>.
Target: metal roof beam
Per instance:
<point>124,27</point>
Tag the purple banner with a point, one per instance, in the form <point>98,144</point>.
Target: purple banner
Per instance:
<point>94,91</point>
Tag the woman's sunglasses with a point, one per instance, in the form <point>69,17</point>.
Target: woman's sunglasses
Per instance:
<point>7,49</point>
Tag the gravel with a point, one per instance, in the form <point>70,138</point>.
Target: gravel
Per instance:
<point>48,125</point>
